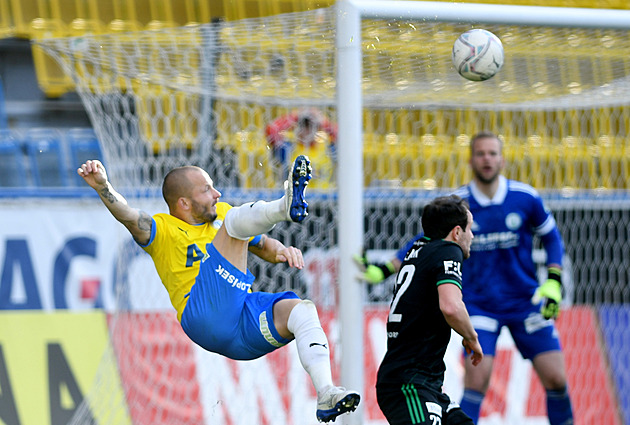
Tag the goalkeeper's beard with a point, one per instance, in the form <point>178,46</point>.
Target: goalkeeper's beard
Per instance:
<point>486,180</point>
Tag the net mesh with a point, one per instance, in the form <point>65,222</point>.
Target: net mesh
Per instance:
<point>204,95</point>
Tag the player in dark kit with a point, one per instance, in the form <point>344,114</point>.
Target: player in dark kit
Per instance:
<point>427,303</point>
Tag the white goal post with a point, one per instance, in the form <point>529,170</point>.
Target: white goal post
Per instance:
<point>349,110</point>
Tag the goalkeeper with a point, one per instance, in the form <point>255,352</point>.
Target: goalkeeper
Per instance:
<point>500,286</point>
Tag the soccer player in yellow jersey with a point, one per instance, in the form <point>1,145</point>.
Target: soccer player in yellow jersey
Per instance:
<point>200,252</point>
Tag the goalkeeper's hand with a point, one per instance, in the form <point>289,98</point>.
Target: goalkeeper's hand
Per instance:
<point>549,294</point>
<point>373,273</point>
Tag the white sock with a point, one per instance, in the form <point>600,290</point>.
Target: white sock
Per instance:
<point>254,218</point>
<point>312,344</point>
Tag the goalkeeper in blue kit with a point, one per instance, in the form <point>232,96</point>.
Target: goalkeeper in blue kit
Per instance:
<point>500,286</point>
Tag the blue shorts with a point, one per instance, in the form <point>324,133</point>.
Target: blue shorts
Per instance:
<point>222,316</point>
<point>532,334</point>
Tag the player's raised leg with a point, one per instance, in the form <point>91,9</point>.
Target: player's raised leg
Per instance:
<point>299,319</point>
<point>259,217</point>
<point>293,318</point>
<point>295,187</point>
<point>334,402</point>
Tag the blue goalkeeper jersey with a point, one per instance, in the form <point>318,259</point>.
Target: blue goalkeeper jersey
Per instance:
<point>501,274</point>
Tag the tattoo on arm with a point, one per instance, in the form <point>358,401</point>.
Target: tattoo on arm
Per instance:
<point>108,196</point>
<point>144,221</point>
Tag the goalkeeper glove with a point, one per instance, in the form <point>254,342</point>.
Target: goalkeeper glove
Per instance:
<point>550,294</point>
<point>373,273</point>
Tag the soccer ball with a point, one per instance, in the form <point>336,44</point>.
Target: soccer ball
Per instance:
<point>477,55</point>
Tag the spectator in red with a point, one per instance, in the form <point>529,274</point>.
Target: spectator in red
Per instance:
<point>304,132</point>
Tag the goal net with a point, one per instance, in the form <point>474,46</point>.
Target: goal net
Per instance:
<point>205,95</point>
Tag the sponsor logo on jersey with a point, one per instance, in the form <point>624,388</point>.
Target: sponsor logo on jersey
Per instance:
<point>453,267</point>
<point>513,221</point>
<point>413,253</point>
<point>231,279</point>
<point>496,240</point>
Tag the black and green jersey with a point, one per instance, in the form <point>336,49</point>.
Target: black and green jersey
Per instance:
<point>417,333</point>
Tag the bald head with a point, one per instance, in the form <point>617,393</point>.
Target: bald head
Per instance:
<point>177,184</point>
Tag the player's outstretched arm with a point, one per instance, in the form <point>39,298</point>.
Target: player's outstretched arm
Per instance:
<point>456,315</point>
<point>374,273</point>
<point>274,251</point>
<point>136,221</point>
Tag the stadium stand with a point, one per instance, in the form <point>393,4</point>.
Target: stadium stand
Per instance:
<point>51,78</point>
<point>83,26</point>
<point>120,17</point>
<point>6,23</point>
<point>427,163</point>
<point>199,11</point>
<point>613,162</point>
<point>16,15</point>
<point>277,7</point>
<point>104,11</point>
<point>144,11</point>
<point>47,157</point>
<point>3,115</point>
<point>566,161</point>
<point>82,144</point>
<point>22,13</point>
<point>12,167</point>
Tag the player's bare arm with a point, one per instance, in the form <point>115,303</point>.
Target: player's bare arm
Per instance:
<point>136,221</point>
<point>456,315</point>
<point>274,251</point>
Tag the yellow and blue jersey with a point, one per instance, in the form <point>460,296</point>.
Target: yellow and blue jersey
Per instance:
<point>177,249</point>
<point>213,298</point>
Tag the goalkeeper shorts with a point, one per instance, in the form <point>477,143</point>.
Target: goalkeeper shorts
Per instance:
<point>532,333</point>
<point>222,316</point>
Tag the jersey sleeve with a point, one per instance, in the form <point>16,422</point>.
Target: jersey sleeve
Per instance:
<point>152,237</point>
<point>158,233</point>
<point>449,265</point>
<point>255,240</point>
<point>541,219</point>
<point>544,225</point>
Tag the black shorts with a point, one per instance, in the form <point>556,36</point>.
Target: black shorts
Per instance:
<point>411,404</point>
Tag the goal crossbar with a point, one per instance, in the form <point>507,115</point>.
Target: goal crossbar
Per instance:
<point>490,13</point>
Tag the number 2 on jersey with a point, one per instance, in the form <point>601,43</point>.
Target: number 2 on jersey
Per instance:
<point>405,276</point>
